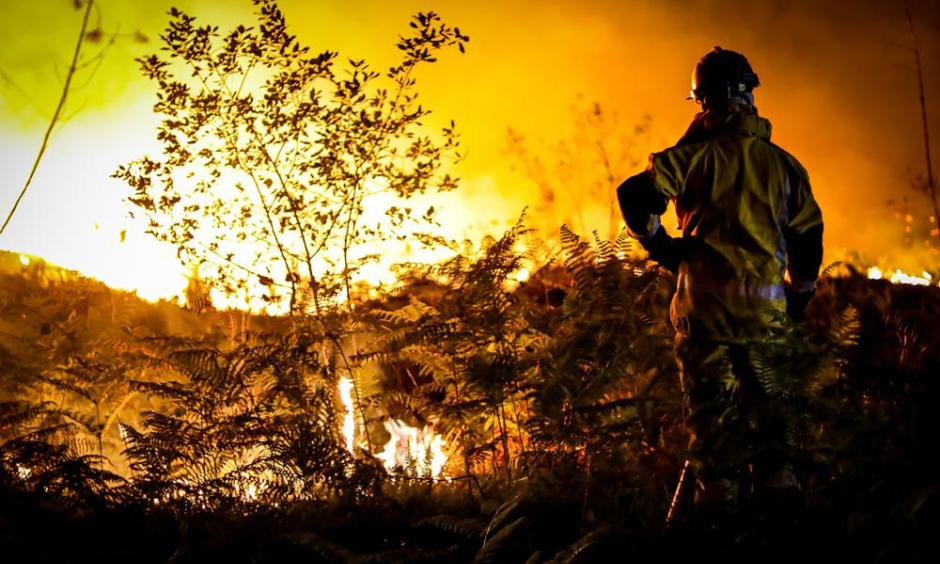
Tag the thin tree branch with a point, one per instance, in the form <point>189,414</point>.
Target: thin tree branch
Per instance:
<point>55,116</point>
<point>19,90</point>
<point>931,187</point>
<point>233,147</point>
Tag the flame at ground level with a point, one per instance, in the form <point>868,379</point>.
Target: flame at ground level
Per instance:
<point>901,277</point>
<point>413,449</point>
<point>349,419</point>
<point>409,450</point>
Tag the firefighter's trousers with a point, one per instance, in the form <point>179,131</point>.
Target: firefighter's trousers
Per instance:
<point>741,433</point>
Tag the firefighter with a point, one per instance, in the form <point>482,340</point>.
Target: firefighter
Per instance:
<point>748,257</point>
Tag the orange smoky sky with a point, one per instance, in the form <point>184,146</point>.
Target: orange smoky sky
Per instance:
<point>838,84</point>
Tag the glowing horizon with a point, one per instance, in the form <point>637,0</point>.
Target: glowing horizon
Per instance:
<point>522,76</point>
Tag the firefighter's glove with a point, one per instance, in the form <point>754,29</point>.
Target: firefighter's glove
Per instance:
<point>663,249</point>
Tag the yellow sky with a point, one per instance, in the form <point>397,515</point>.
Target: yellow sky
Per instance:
<point>837,86</point>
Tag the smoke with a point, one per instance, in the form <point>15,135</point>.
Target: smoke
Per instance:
<point>839,86</point>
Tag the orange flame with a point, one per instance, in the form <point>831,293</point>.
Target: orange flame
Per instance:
<point>412,450</point>
<point>349,420</point>
<point>901,277</point>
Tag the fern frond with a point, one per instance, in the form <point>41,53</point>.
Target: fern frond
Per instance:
<point>831,269</point>
<point>605,251</point>
<point>847,328</point>
<point>467,528</point>
<point>765,372</point>
<point>496,541</point>
<point>623,245</point>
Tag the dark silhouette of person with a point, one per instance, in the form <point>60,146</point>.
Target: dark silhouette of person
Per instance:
<point>749,255</point>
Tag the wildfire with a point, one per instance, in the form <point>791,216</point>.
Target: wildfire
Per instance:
<point>349,419</point>
<point>901,277</point>
<point>410,448</point>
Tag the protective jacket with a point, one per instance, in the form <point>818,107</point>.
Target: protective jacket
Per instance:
<point>747,216</point>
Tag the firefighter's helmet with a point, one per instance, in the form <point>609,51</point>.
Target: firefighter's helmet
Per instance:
<point>721,75</point>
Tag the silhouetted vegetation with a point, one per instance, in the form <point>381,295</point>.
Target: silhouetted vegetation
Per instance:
<point>558,398</point>
<point>282,170</point>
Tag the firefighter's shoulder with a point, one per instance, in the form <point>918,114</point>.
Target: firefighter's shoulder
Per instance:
<point>791,161</point>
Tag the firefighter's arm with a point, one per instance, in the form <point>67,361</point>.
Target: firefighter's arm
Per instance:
<point>641,203</point>
<point>804,237</point>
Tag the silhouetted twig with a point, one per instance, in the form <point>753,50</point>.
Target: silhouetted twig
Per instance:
<point>55,115</point>
<point>931,187</point>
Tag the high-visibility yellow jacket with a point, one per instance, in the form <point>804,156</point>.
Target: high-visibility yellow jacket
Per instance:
<point>747,216</point>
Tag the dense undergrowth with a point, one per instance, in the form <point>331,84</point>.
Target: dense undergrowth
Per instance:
<point>152,432</point>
